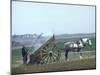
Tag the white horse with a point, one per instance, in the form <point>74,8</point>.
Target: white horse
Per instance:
<point>76,46</point>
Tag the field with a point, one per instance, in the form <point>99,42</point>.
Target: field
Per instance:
<point>65,66</point>
<point>74,63</point>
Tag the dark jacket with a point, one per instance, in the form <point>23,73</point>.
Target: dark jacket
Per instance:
<point>24,51</point>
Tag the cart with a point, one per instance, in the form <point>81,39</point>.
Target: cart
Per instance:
<point>46,54</point>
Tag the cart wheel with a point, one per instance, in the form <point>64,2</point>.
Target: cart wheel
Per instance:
<point>50,54</point>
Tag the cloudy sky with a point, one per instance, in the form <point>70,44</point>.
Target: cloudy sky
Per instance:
<point>30,18</point>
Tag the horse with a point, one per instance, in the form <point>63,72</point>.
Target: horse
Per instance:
<point>76,46</point>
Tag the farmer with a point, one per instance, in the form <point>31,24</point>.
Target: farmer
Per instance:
<point>24,54</point>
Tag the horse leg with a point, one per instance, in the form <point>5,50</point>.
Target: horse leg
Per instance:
<point>80,54</point>
<point>66,54</point>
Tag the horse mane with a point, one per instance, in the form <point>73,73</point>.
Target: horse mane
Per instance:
<point>82,41</point>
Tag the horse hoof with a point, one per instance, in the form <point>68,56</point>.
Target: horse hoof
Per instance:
<point>81,57</point>
<point>67,59</point>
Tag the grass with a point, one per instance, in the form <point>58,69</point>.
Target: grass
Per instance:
<point>88,62</point>
<point>16,53</point>
<point>65,66</point>
<point>74,64</point>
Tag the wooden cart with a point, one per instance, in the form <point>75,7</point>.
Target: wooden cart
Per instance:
<point>47,53</point>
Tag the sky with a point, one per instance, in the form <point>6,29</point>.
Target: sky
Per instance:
<point>30,18</point>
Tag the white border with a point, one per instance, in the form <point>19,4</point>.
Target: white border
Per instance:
<point>5,37</point>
